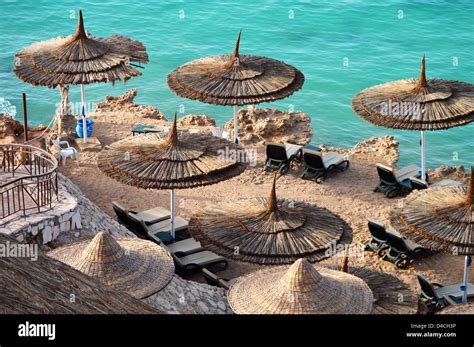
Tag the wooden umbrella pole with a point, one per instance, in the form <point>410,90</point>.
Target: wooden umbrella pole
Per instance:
<point>25,119</point>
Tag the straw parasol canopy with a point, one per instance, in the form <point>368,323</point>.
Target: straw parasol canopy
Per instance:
<point>443,103</point>
<point>47,286</point>
<point>79,59</point>
<point>458,309</point>
<point>268,230</point>
<point>132,265</point>
<point>391,295</point>
<point>300,289</point>
<point>235,79</point>
<point>174,161</point>
<point>440,219</point>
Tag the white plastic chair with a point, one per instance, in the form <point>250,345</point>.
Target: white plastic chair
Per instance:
<point>219,132</point>
<point>65,150</point>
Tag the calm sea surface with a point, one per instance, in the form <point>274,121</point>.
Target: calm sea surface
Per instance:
<point>340,46</point>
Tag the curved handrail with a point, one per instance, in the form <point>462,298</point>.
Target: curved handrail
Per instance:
<point>43,154</point>
<point>16,195</point>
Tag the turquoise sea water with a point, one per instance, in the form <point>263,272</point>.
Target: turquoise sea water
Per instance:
<point>340,46</point>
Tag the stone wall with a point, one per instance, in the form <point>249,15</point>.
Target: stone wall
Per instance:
<point>43,227</point>
<point>187,297</point>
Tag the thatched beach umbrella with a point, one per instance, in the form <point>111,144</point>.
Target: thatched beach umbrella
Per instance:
<point>235,80</point>
<point>269,231</point>
<point>417,104</point>
<point>440,219</point>
<point>131,265</point>
<point>173,161</point>
<point>47,286</point>
<point>79,59</point>
<point>391,295</point>
<point>300,289</point>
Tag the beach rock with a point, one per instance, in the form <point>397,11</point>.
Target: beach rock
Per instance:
<point>260,125</point>
<point>381,149</point>
<point>9,126</point>
<point>11,131</point>
<point>195,120</point>
<point>378,149</point>
<point>451,172</point>
<point>124,103</point>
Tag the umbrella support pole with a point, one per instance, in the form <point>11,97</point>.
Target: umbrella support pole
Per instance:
<point>423,159</point>
<point>84,119</point>
<point>172,213</point>
<point>236,126</point>
<point>467,263</point>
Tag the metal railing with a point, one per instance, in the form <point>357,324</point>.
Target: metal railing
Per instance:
<point>29,181</point>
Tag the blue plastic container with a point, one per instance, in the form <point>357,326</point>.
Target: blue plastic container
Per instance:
<point>79,127</point>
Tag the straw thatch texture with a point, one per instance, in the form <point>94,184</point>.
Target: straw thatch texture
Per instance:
<point>79,59</point>
<point>132,265</point>
<point>440,219</point>
<point>47,286</point>
<point>174,161</point>
<point>391,295</point>
<point>235,79</point>
<point>442,103</point>
<point>458,309</point>
<point>300,289</point>
<point>269,231</point>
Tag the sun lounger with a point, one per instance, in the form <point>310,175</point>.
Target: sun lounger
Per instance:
<point>196,260</point>
<point>389,245</point>
<point>142,230</point>
<point>418,184</point>
<point>139,128</point>
<point>153,215</point>
<point>213,280</point>
<point>156,129</point>
<point>180,248</point>
<point>393,182</point>
<point>280,156</point>
<point>317,166</point>
<point>121,213</point>
<point>378,239</point>
<point>437,296</point>
<point>401,251</point>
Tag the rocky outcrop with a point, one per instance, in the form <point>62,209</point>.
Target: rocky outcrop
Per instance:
<point>124,103</point>
<point>381,149</point>
<point>259,125</point>
<point>9,126</point>
<point>451,172</point>
<point>195,120</point>
<point>11,130</point>
<point>377,149</point>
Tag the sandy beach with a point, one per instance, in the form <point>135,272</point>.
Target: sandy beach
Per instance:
<point>349,194</point>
